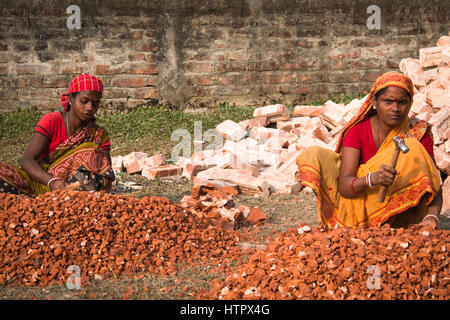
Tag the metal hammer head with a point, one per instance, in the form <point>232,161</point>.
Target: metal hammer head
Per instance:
<point>400,144</point>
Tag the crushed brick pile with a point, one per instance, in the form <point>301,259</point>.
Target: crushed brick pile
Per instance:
<point>218,205</point>
<point>310,263</point>
<point>104,235</point>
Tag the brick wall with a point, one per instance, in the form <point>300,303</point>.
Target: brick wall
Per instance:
<point>192,53</point>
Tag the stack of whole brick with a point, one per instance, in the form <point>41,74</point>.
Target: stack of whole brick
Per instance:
<point>255,156</point>
<point>104,235</point>
<point>378,263</point>
<point>149,167</point>
<point>258,155</point>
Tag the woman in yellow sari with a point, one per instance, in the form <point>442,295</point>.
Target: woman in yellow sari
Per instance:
<point>346,182</point>
<point>66,146</point>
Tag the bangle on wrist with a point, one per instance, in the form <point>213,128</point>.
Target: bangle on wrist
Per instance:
<point>368,180</point>
<point>351,185</point>
<point>430,215</point>
<point>50,182</point>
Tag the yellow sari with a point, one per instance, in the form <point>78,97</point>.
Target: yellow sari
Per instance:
<point>416,186</point>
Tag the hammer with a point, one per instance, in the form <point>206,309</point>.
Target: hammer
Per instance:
<point>88,181</point>
<point>399,146</point>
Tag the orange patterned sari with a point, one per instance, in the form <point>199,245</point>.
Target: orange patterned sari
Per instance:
<point>416,186</point>
<point>81,149</point>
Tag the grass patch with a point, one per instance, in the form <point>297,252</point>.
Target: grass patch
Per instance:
<point>16,129</point>
<point>14,124</point>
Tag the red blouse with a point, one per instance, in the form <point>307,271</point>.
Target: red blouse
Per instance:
<point>52,126</point>
<point>360,137</point>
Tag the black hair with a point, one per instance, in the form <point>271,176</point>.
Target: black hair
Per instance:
<point>74,94</point>
<point>380,93</point>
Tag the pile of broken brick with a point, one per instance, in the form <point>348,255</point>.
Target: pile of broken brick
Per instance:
<point>218,205</point>
<point>309,263</point>
<point>104,236</point>
<point>258,155</point>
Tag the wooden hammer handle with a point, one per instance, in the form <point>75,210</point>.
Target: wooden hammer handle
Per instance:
<point>73,186</point>
<point>383,189</point>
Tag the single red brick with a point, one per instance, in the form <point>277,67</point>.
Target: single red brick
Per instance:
<point>130,82</point>
<point>145,69</point>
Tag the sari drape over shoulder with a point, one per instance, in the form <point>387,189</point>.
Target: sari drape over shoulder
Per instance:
<point>416,186</point>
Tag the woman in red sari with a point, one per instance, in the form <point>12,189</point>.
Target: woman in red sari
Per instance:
<point>62,143</point>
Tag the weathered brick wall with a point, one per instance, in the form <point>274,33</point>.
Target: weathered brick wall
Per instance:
<point>193,53</point>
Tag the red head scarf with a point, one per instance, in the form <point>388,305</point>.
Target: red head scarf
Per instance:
<point>83,82</point>
<point>389,79</point>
